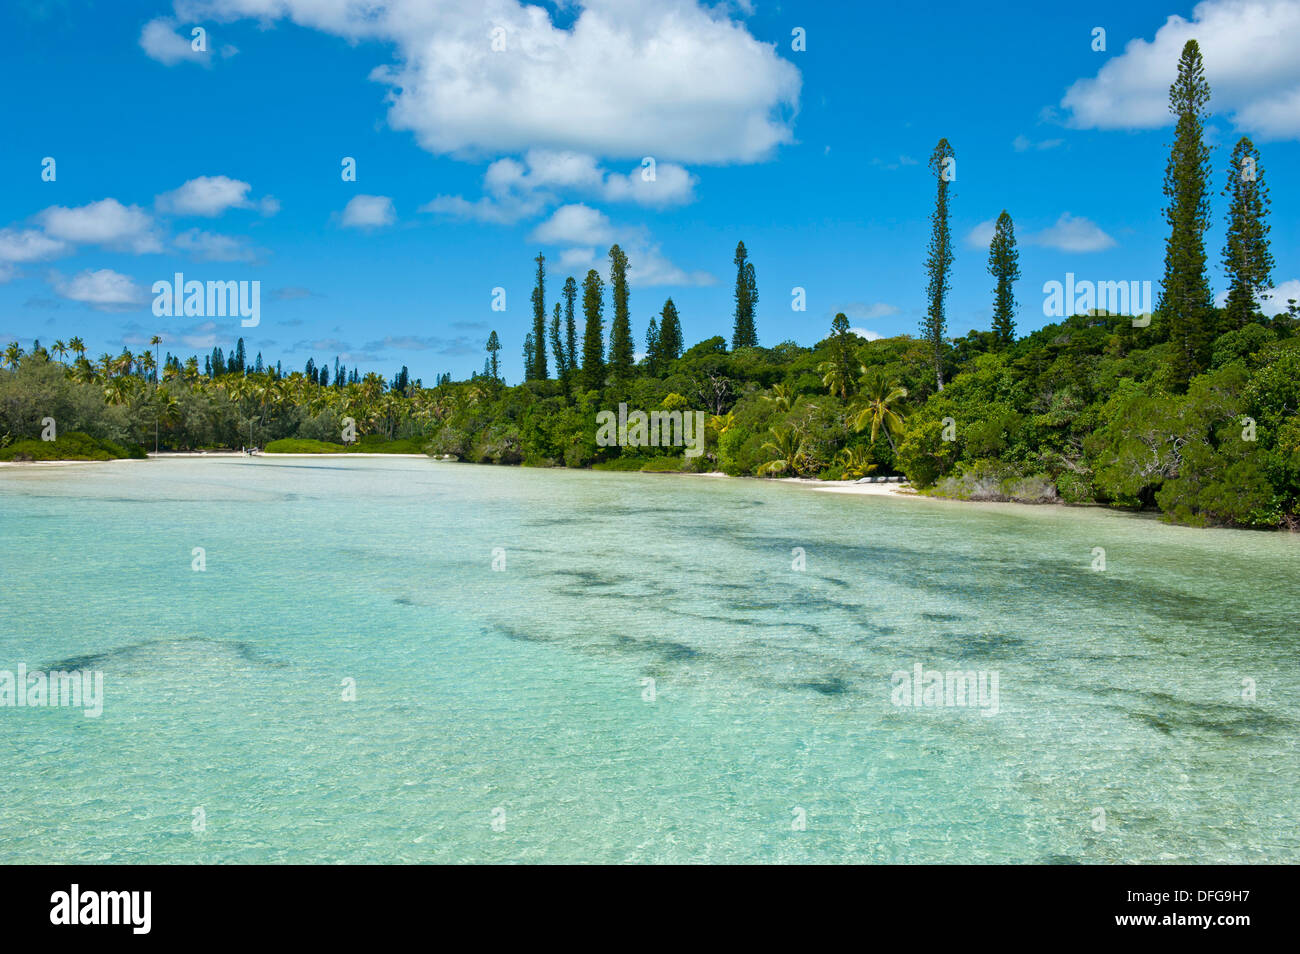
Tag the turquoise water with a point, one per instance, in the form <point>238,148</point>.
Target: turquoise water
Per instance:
<point>504,715</point>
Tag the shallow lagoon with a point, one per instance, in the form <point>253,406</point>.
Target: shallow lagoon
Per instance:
<point>506,715</point>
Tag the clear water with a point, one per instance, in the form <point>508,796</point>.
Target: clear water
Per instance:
<point>517,696</point>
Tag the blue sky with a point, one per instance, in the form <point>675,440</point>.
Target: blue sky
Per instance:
<point>225,164</point>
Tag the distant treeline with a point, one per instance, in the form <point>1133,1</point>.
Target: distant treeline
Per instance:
<point>1195,411</point>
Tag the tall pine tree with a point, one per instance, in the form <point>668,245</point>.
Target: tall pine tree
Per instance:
<point>557,344</point>
<point>743,334</point>
<point>845,355</point>
<point>670,333</point>
<point>537,370</point>
<point>570,326</point>
<point>1246,256</point>
<point>593,337</point>
<point>494,367</point>
<point>938,261</point>
<point>1004,266</point>
<point>621,348</point>
<point>652,357</point>
<point>1186,303</point>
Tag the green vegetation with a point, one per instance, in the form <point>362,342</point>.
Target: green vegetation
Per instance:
<point>74,446</point>
<point>1196,414</point>
<point>370,444</point>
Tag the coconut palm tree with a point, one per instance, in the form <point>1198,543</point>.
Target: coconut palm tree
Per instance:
<point>854,462</point>
<point>880,404</point>
<point>83,370</point>
<point>156,341</point>
<point>60,349</point>
<point>722,422</point>
<point>77,345</point>
<point>786,447</point>
<point>834,379</point>
<point>118,390</point>
<point>782,396</point>
<point>13,354</point>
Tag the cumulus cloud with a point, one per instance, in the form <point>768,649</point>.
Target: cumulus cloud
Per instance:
<point>584,228</point>
<point>517,190</point>
<point>1070,234</point>
<point>209,196</point>
<point>1250,62</point>
<point>103,290</point>
<point>28,245</point>
<point>1274,300</point>
<point>981,235</point>
<point>161,42</point>
<point>866,334</point>
<point>575,225</point>
<point>676,80</point>
<point>106,222</point>
<point>865,312</point>
<point>210,247</point>
<point>368,212</point>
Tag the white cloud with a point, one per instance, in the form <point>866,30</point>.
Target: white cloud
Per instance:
<point>577,257</point>
<point>1025,144</point>
<point>160,42</point>
<point>496,211</point>
<point>1249,51</point>
<point>210,196</point>
<point>519,190</point>
<point>866,312</point>
<point>210,247</point>
<point>1273,301</point>
<point>575,225</point>
<point>1279,295</point>
<point>981,235</point>
<point>585,228</point>
<point>104,290</point>
<point>369,211</point>
<point>674,79</point>
<point>865,333</point>
<point>28,245</point>
<point>1071,234</point>
<point>106,222</point>
<point>647,266</point>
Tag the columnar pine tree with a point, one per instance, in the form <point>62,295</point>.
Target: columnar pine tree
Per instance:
<point>530,356</point>
<point>557,344</point>
<point>1186,303</point>
<point>593,337</point>
<point>652,356</point>
<point>938,262</point>
<point>570,326</point>
<point>621,348</point>
<point>537,369</point>
<point>493,346</point>
<point>1246,256</point>
<point>670,333</point>
<point>844,355</point>
<point>743,334</point>
<point>1004,266</point>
